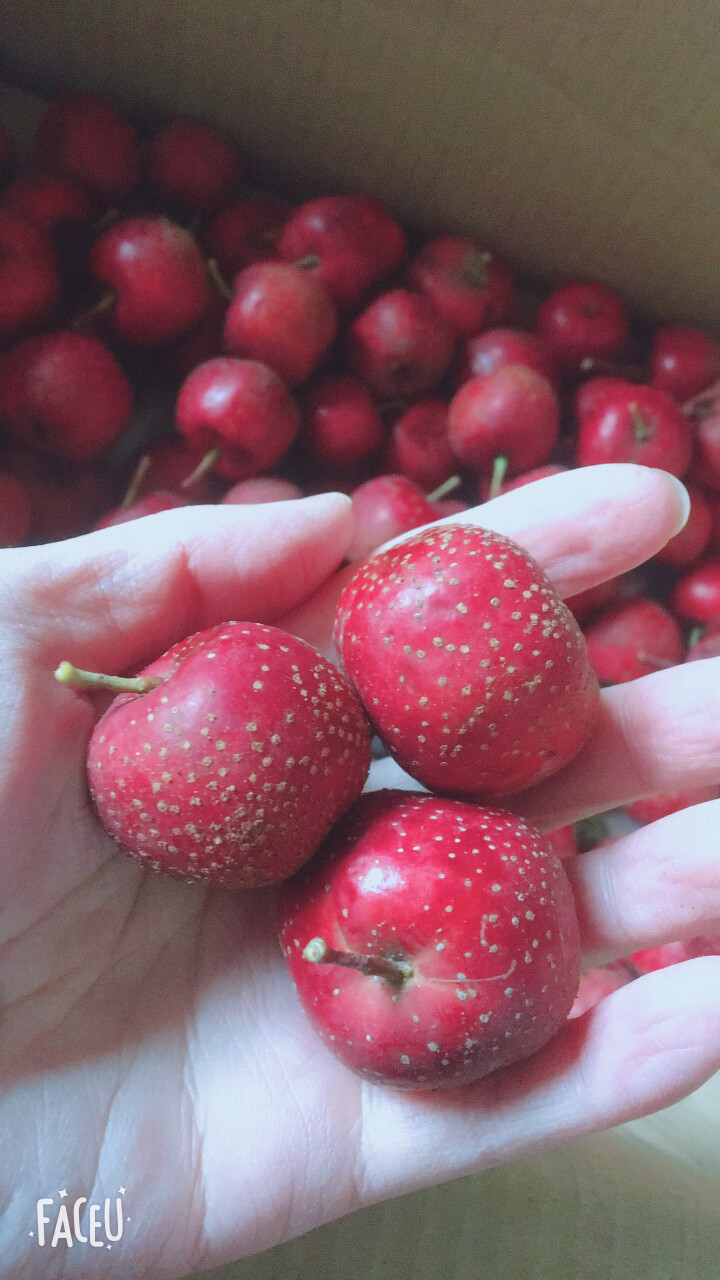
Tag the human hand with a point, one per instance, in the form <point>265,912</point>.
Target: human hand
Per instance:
<point>150,1036</point>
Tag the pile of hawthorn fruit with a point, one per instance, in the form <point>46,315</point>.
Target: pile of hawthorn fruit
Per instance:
<point>316,347</point>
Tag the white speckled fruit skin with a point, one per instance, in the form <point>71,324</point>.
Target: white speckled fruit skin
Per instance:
<point>234,770</point>
<point>473,671</point>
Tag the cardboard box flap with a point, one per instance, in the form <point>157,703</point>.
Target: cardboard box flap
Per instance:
<point>578,137</point>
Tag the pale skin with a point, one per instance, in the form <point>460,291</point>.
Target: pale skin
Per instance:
<point>150,1036</point>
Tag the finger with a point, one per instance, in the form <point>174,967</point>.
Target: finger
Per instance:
<point>583,526</point>
<point>123,595</point>
<point>643,1047</point>
<point>654,735</point>
<point>659,884</point>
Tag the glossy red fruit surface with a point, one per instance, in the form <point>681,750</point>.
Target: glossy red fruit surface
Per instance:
<point>399,345</point>
<point>419,446</point>
<point>696,596</point>
<point>242,408</point>
<point>597,392</point>
<point>64,394</point>
<point>29,282</point>
<point>584,320</point>
<point>636,424</point>
<point>473,906</point>
<point>155,269</point>
<point>281,316</point>
<point>383,508</point>
<point>512,413</point>
<point>683,362</point>
<point>244,233</point>
<point>633,639</point>
<point>347,243</point>
<point>193,166</point>
<point>495,348</point>
<point>84,138</point>
<point>472,670</point>
<point>470,287</point>
<point>234,768</point>
<point>47,201</point>
<point>342,423</point>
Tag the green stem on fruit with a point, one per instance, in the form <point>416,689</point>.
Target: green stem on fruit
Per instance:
<point>106,303</point>
<point>308,263</point>
<point>205,464</point>
<point>218,279</point>
<point>68,674</point>
<point>499,472</point>
<point>136,480</point>
<point>394,971</point>
<point>448,486</point>
<point>641,428</point>
<point>695,635</point>
<point>472,272</point>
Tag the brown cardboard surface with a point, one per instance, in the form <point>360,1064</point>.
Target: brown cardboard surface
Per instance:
<point>579,136</point>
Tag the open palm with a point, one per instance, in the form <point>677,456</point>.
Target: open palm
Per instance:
<point>150,1037</point>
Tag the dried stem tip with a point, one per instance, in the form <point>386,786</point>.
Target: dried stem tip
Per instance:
<point>395,971</point>
<point>66,673</point>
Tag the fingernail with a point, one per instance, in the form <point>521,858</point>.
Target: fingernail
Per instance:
<point>684,499</point>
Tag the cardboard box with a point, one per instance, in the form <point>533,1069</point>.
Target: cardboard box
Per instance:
<point>578,137</point>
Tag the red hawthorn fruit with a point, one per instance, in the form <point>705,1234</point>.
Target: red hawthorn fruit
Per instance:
<point>636,424</point>
<point>472,670</point>
<point>469,286</point>
<point>683,362</point>
<point>696,595</point>
<point>84,138</point>
<point>155,270</point>
<point>193,167</point>
<point>282,317</point>
<point>346,243</point>
<point>633,639</point>
<point>423,953</point>
<point>342,424</point>
<point>419,446</point>
<point>64,394</point>
<point>383,508</point>
<point>582,321</point>
<point>513,413</point>
<point>241,408</point>
<point>46,201</point>
<point>29,282</point>
<point>242,745</point>
<point>399,345</point>
<point>245,233</point>
<point>495,348</point>
<point>65,498</point>
<point>596,393</point>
